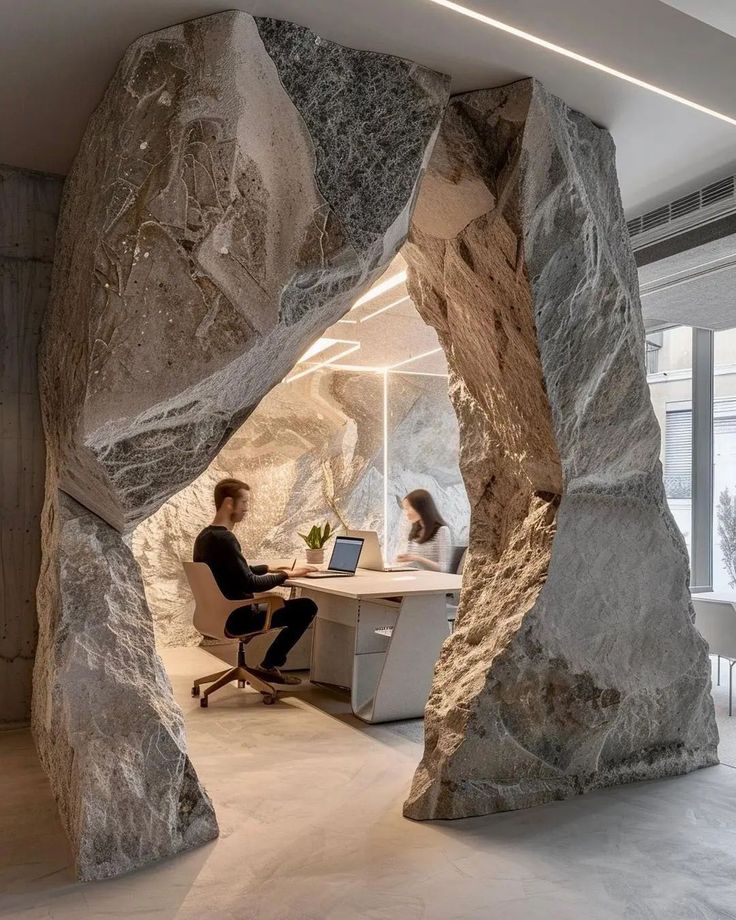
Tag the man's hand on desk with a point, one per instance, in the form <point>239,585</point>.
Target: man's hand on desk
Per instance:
<point>298,571</point>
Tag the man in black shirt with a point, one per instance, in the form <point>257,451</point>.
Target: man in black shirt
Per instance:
<point>218,546</point>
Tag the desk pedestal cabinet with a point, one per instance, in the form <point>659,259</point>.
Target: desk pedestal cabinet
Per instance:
<point>382,649</point>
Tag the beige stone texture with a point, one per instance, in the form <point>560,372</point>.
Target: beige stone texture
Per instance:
<point>575,663</point>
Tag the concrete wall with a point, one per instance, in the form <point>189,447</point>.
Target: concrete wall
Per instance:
<point>29,207</point>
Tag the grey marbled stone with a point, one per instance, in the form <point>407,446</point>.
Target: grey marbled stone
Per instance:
<point>367,151</point>
<point>196,260</point>
<point>108,731</point>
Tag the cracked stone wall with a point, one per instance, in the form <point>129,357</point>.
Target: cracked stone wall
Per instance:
<point>322,433</point>
<point>575,663</point>
<point>29,209</point>
<point>215,222</point>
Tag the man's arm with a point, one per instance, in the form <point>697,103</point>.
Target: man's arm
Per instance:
<point>238,573</point>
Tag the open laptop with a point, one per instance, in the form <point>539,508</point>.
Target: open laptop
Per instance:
<point>344,558</point>
<point>371,557</point>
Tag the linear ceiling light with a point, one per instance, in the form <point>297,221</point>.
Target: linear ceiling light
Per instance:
<point>316,348</point>
<point>353,346</point>
<point>383,309</point>
<point>381,288</point>
<point>425,354</point>
<point>580,58</point>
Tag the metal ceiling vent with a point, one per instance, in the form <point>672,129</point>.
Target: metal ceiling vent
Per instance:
<point>692,210</point>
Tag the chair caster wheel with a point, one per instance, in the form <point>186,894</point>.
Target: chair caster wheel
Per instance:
<point>195,690</point>
<point>241,684</point>
<point>203,702</point>
<point>269,699</point>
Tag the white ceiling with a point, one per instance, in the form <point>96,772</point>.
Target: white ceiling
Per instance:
<point>721,14</point>
<point>56,57</point>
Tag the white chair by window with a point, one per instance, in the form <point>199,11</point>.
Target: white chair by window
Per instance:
<point>716,622</point>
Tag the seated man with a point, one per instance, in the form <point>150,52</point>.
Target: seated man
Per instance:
<point>218,546</point>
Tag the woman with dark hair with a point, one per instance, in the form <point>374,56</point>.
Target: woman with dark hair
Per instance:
<point>428,544</point>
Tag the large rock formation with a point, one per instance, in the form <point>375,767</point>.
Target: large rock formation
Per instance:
<point>575,663</point>
<point>293,463</point>
<point>217,219</point>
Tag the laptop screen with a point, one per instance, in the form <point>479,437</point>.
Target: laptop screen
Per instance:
<point>345,554</point>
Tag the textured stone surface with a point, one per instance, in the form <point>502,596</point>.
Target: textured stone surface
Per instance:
<point>284,455</point>
<point>200,252</point>
<point>198,256</point>
<point>29,208</point>
<point>575,663</point>
<point>113,737</point>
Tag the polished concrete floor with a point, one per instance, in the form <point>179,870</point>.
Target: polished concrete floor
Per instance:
<point>309,803</point>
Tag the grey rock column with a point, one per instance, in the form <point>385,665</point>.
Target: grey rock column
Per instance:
<point>212,228</point>
<point>575,663</point>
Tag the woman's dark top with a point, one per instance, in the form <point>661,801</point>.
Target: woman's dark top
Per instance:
<point>219,548</point>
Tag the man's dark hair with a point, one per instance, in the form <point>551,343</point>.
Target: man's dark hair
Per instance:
<point>229,488</point>
<point>430,520</point>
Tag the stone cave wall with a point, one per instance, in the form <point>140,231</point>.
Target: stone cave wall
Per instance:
<point>319,435</point>
<point>230,199</point>
<point>424,453</point>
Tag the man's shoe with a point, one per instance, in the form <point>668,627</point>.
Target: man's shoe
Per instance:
<point>276,676</point>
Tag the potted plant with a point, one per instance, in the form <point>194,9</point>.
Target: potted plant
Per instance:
<point>315,540</point>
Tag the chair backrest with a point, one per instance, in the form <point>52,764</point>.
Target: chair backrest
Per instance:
<point>457,559</point>
<point>716,622</point>
<point>212,608</point>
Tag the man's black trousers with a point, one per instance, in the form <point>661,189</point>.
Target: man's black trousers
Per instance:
<point>295,617</point>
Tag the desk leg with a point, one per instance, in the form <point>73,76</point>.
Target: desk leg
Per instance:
<point>406,677</point>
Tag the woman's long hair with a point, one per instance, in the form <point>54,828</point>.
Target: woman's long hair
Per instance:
<point>430,520</point>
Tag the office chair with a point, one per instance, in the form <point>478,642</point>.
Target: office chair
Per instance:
<point>210,615</point>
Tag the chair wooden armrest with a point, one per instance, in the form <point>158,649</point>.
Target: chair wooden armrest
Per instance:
<point>273,603</point>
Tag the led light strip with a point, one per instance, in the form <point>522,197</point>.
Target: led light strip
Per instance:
<point>383,309</point>
<point>580,58</point>
<point>380,288</point>
<point>354,346</point>
<point>385,458</point>
<point>425,354</point>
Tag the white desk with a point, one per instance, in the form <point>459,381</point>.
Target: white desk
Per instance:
<point>379,634</point>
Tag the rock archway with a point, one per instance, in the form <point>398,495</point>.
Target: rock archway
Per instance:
<point>575,663</point>
<point>240,184</point>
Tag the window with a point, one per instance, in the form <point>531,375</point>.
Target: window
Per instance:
<point>724,460</point>
<point>669,374</point>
